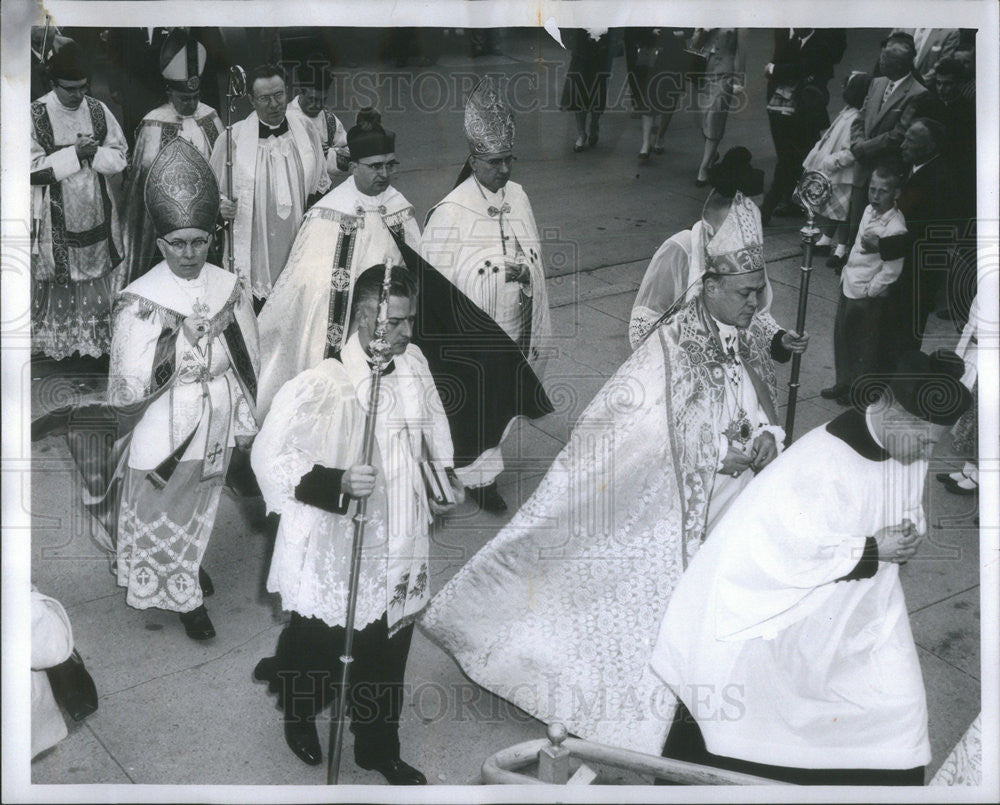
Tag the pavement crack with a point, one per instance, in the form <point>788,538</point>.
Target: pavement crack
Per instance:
<point>186,668</point>
<point>913,612</point>
<point>110,753</point>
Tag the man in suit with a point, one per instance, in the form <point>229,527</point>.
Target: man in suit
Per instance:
<point>797,96</point>
<point>889,107</point>
<point>926,202</point>
<point>932,45</point>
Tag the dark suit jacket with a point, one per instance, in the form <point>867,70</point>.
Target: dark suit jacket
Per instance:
<point>877,132</point>
<point>810,65</point>
<point>927,202</point>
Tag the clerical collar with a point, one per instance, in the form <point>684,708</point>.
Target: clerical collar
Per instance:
<point>264,131</point>
<point>371,202</point>
<point>854,428</point>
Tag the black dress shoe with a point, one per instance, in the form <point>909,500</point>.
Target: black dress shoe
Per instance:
<point>395,771</point>
<point>837,261</point>
<point>302,739</point>
<point>945,477</point>
<point>207,588</point>
<point>73,687</point>
<point>834,391</point>
<point>197,624</point>
<point>955,489</point>
<point>488,498</point>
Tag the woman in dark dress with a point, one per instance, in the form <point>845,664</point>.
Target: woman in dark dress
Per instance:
<point>586,88</point>
<point>657,63</point>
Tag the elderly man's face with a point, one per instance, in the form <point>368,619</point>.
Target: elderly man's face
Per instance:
<point>895,61</point>
<point>311,101</point>
<point>269,100</point>
<point>733,298</point>
<point>918,145</point>
<point>70,93</point>
<point>184,103</point>
<point>493,170</point>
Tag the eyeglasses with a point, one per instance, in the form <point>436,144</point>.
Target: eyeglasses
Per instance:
<point>274,98</point>
<point>378,167</point>
<point>81,88</point>
<point>180,245</point>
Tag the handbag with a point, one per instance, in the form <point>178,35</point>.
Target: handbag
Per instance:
<point>73,687</point>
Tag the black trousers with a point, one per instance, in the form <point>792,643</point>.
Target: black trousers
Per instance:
<point>305,673</point>
<point>792,143</point>
<point>857,330</point>
<point>685,742</point>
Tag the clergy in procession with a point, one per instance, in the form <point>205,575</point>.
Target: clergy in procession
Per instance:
<point>788,640</point>
<point>351,228</point>
<point>182,61</point>
<point>482,237</point>
<point>675,270</point>
<point>559,612</point>
<point>309,461</point>
<point>77,147</point>
<point>310,105</point>
<point>277,162</point>
<point>184,361</point>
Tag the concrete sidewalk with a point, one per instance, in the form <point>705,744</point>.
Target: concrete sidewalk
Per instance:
<point>173,711</point>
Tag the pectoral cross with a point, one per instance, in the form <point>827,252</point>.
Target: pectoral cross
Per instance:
<point>201,310</point>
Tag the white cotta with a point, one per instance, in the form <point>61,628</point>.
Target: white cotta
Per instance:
<point>51,644</point>
<point>319,418</point>
<point>780,662</point>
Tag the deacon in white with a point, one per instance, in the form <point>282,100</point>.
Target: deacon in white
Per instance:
<point>347,231</point>
<point>277,162</point>
<point>309,104</point>
<point>787,638</point>
<point>76,247</point>
<point>309,462</point>
<point>182,60</point>
<point>482,236</point>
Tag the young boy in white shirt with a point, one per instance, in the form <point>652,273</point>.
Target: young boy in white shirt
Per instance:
<point>864,286</point>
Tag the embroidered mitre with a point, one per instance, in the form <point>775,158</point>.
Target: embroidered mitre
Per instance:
<point>737,247</point>
<point>489,123</point>
<point>181,191</point>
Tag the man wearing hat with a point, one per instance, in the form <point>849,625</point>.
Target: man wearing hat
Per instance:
<point>76,146</point>
<point>558,613</point>
<point>787,640</point>
<point>482,237</point>
<point>184,351</point>
<point>350,229</point>
<point>310,105</point>
<point>277,162</point>
<point>182,61</point>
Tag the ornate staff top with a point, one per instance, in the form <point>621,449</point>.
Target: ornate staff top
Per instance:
<point>814,191</point>
<point>237,84</point>
<point>379,347</point>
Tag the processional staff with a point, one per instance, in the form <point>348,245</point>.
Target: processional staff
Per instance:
<point>814,191</point>
<point>237,88</point>
<point>380,356</point>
